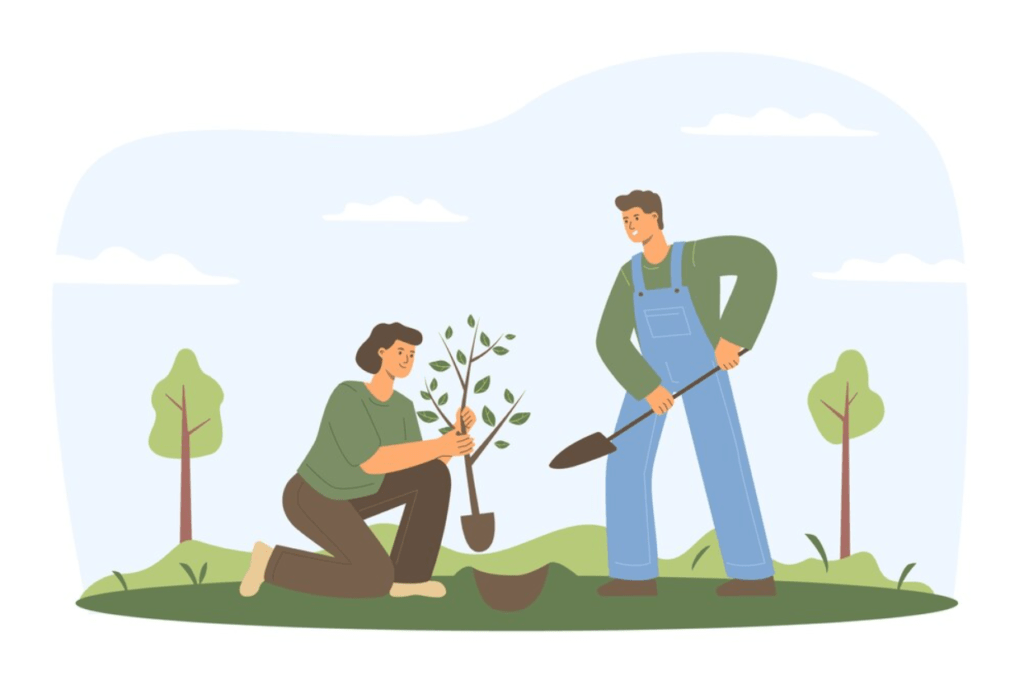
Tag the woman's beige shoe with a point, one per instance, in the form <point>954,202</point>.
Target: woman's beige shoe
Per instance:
<point>425,589</point>
<point>253,578</point>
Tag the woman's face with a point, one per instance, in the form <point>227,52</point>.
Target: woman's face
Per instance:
<point>398,359</point>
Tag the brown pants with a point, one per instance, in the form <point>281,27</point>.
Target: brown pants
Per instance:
<point>358,565</point>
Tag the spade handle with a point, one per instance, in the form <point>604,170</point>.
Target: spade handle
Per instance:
<point>678,394</point>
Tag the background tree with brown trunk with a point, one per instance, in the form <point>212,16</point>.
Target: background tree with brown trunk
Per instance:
<point>188,425</point>
<point>844,407</point>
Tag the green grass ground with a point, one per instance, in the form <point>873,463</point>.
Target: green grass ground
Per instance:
<point>582,549</point>
<point>568,602</point>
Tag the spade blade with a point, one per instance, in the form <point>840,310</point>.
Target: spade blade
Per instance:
<point>589,448</point>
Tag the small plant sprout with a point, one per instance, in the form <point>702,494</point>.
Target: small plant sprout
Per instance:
<point>819,547</point>
<point>697,557</point>
<point>120,577</point>
<point>903,576</point>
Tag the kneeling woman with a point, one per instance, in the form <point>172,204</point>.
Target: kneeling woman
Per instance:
<point>368,458</point>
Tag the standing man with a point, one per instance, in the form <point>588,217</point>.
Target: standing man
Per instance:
<point>670,296</point>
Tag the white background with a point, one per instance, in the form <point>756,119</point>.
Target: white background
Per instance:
<point>79,80</point>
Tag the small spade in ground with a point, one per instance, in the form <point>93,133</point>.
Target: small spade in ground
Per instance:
<point>477,528</point>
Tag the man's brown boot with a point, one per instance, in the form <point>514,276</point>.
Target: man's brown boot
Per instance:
<point>620,588</point>
<point>739,587</point>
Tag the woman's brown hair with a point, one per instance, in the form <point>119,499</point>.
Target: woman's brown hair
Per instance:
<point>384,335</point>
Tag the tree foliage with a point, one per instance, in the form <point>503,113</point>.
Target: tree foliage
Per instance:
<point>203,397</point>
<point>464,361</point>
<point>866,409</point>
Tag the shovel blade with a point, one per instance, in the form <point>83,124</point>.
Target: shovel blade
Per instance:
<point>589,448</point>
<point>478,530</point>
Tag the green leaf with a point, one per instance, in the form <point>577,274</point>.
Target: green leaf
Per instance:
<point>509,398</point>
<point>427,416</point>
<point>460,357</point>
<point>519,418</point>
<point>433,384</point>
<point>488,415</point>
<point>448,333</point>
<point>484,339</point>
<point>819,547</point>
<point>124,584</point>
<point>500,351</point>
<point>191,574</point>
<point>202,572</point>
<point>510,336</point>
<point>501,444</point>
<point>446,430</point>
<point>699,555</point>
<point>471,321</point>
<point>482,385</point>
<point>440,366</point>
<point>443,400</point>
<point>425,395</point>
<point>903,576</point>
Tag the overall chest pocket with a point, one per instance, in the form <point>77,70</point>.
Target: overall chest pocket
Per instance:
<point>667,322</point>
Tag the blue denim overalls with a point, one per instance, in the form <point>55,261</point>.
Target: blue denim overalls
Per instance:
<point>673,342</point>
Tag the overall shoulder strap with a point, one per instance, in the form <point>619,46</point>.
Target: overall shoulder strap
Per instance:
<point>676,264</point>
<point>638,273</point>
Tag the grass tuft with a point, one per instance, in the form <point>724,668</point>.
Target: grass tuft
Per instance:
<point>699,555</point>
<point>191,574</point>
<point>124,584</point>
<point>819,547</point>
<point>903,576</point>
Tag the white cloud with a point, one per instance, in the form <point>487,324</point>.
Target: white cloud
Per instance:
<point>899,268</point>
<point>396,209</point>
<point>120,266</point>
<point>776,123</point>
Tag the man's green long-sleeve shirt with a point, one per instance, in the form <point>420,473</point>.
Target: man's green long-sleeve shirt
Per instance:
<point>705,261</point>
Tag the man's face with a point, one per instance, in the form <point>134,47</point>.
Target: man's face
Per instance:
<point>398,359</point>
<point>640,226</point>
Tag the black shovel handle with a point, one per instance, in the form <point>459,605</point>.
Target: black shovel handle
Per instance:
<point>678,394</point>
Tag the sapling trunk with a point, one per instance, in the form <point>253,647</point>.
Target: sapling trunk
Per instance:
<point>470,481</point>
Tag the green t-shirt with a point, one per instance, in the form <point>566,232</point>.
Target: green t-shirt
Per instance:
<point>355,424</point>
<point>705,262</point>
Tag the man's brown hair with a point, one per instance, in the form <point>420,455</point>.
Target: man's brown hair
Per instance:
<point>384,335</point>
<point>648,201</point>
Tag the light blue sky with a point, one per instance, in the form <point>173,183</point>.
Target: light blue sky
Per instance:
<point>536,257</point>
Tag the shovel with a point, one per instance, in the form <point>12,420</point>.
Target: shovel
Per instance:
<point>596,445</point>
<point>477,527</point>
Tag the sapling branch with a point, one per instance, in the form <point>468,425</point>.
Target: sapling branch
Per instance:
<point>173,402</point>
<point>437,407</point>
<point>454,363</point>
<point>851,399</point>
<point>493,345</point>
<point>497,427</point>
